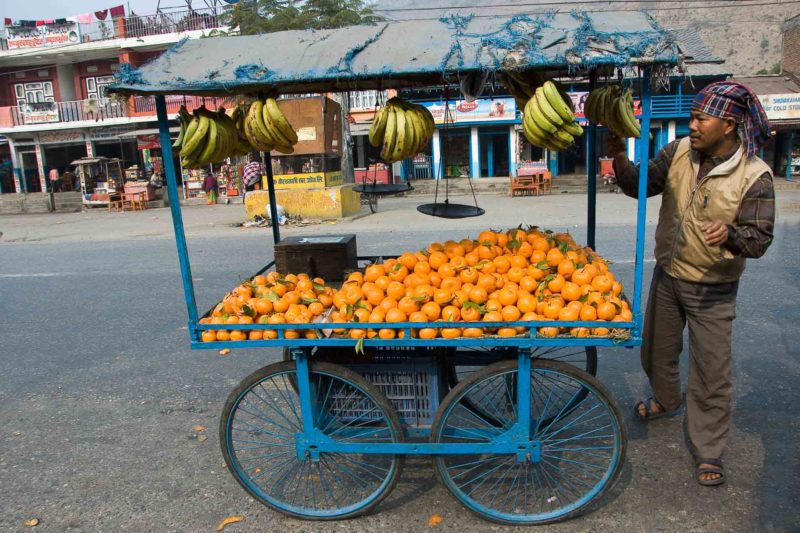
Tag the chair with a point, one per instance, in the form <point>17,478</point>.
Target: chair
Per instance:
<point>115,201</point>
<point>547,182</point>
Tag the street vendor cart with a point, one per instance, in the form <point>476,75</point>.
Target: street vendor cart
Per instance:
<point>101,178</point>
<point>519,428</point>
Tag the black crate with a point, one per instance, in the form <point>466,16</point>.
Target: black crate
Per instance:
<point>325,256</point>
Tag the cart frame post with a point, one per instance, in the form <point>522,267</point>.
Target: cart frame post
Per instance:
<point>177,218</point>
<point>273,205</point>
<point>641,215</point>
<point>591,170</point>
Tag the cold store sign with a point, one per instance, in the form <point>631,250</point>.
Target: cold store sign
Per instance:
<point>47,35</point>
<point>781,106</point>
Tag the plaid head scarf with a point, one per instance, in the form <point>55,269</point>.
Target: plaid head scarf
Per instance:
<point>728,99</point>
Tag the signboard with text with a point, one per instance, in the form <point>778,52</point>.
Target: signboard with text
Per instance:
<point>309,180</point>
<point>579,98</point>
<point>483,110</point>
<point>40,112</point>
<point>781,106</point>
<point>47,35</point>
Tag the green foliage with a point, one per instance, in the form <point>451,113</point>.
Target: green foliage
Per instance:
<point>776,69</point>
<point>265,16</point>
<point>764,43</point>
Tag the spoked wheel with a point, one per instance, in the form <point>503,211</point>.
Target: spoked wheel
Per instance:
<point>258,431</point>
<point>581,445</point>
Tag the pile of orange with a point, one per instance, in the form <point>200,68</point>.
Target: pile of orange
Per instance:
<point>270,299</point>
<point>502,276</point>
<point>516,275</point>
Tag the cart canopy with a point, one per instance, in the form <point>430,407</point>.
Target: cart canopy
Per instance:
<point>399,54</point>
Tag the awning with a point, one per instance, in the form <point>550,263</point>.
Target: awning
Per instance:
<point>401,54</point>
<point>148,131</point>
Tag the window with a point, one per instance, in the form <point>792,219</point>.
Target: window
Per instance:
<point>96,87</point>
<point>33,92</point>
<point>366,99</point>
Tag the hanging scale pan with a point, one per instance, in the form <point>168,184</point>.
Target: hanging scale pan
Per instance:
<point>447,210</point>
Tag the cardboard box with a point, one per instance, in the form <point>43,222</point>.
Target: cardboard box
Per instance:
<point>326,256</point>
<point>318,123</point>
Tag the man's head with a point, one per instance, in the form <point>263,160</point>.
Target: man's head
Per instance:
<point>719,111</point>
<point>712,135</point>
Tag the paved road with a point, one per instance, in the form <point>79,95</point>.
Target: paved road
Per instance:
<point>99,394</point>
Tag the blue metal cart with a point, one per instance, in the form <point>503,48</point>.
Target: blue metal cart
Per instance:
<point>519,429</point>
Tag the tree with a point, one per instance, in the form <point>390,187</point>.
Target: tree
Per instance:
<point>265,16</point>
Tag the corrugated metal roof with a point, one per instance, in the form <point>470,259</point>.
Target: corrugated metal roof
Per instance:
<point>703,69</point>
<point>692,47</point>
<point>770,84</point>
<point>400,54</point>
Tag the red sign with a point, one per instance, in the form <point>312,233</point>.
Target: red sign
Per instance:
<point>466,107</point>
<point>147,142</point>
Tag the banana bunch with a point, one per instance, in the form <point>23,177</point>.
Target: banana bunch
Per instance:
<point>207,137</point>
<point>401,128</point>
<point>613,107</point>
<point>266,128</point>
<point>547,119</point>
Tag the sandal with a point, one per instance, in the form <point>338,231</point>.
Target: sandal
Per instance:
<point>650,415</point>
<point>713,469</point>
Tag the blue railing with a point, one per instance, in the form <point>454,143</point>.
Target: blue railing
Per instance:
<point>672,105</point>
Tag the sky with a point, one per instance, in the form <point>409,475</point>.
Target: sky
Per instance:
<point>40,9</point>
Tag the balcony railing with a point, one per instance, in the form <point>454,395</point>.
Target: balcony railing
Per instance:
<point>75,111</point>
<point>176,22</point>
<point>672,105</point>
<point>146,105</point>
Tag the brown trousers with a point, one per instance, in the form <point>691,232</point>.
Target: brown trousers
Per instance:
<point>709,310</point>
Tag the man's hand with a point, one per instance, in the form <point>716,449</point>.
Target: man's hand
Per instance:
<point>715,232</point>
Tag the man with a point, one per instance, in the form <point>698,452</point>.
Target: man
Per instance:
<point>252,173</point>
<point>718,208</point>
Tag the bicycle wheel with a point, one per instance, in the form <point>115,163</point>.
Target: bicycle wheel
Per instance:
<point>582,445</point>
<point>258,429</point>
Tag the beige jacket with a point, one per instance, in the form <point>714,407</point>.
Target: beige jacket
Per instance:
<point>687,204</point>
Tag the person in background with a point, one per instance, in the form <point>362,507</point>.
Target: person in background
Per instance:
<point>252,173</point>
<point>210,187</point>
<point>55,179</point>
<point>68,180</point>
<point>717,210</point>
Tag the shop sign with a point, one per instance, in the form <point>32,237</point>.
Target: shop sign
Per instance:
<point>61,136</point>
<point>579,99</point>
<point>147,142</point>
<point>47,35</point>
<point>781,106</point>
<point>482,110</point>
<point>40,112</point>
<point>308,180</point>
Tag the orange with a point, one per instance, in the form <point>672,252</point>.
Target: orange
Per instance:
<point>493,305</point>
<point>486,282</point>
<point>506,332</point>
<point>566,268</point>
<point>551,308</point>
<point>508,296</point>
<point>435,279</point>
<point>576,305</point>
<point>209,335</point>
<point>358,333</point>
<point>472,332</point>
<point>377,315</point>
<point>395,315</point>
<point>511,313</point>
<point>385,333</point>
<point>525,250</point>
<point>487,237</point>
<point>581,276</point>
<point>616,288</point>
<point>388,303</point>
<point>374,295</point>
<point>571,292</point>
<point>470,313</point>
<point>447,271</point>
<point>602,283</point>
<point>361,315</point>
<point>528,284</point>
<point>408,305</point>
<point>255,335</point>
<point>398,272</point>
<point>451,284</point>
<point>484,252</point>
<point>408,259</point>
<point>454,250</point>
<point>373,272</point>
<point>424,293</point>
<point>422,267</point>
<point>554,257</point>
<point>579,332</point>
<point>502,239</point>
<point>548,332</point>
<point>557,283</point>
<point>502,264</point>
<point>626,315</point>
<point>451,333</point>
<point>468,275</point>
<point>245,319</point>
<point>515,274</point>
<point>472,258</point>
<point>478,295</point>
<point>223,335</point>
<point>492,316</point>
<point>588,312</point>
<point>395,290</point>
<point>437,259</point>
<point>427,333</point>
<point>356,277</point>
<point>606,311</point>
<point>352,293</point>
<point>417,316</point>
<point>260,280</point>
<point>237,335</point>
<point>526,302</point>
<point>432,310</point>
<point>451,313</point>
<point>568,313</point>
<point>442,296</point>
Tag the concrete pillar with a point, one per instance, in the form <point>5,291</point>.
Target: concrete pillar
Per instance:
<point>89,146</point>
<point>15,165</point>
<point>513,155</point>
<point>437,154</point>
<point>360,153</point>
<point>40,165</point>
<point>671,131</point>
<point>474,154</point>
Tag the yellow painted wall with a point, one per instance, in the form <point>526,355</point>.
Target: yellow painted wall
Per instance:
<point>327,202</point>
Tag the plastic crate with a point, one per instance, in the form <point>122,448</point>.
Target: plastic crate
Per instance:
<point>412,383</point>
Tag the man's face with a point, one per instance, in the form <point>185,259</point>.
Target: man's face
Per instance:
<point>706,133</point>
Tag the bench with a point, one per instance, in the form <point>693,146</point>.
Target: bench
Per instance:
<point>524,185</point>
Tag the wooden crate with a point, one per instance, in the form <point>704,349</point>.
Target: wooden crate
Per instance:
<point>326,256</point>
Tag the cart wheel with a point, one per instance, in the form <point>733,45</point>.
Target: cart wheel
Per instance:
<point>258,431</point>
<point>582,445</point>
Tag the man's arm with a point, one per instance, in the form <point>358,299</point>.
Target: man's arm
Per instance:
<point>752,233</point>
<point>627,173</point>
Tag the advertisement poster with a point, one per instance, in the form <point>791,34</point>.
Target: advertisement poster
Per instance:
<point>483,110</point>
<point>47,35</point>
<point>148,142</point>
<point>781,106</point>
<point>579,98</point>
